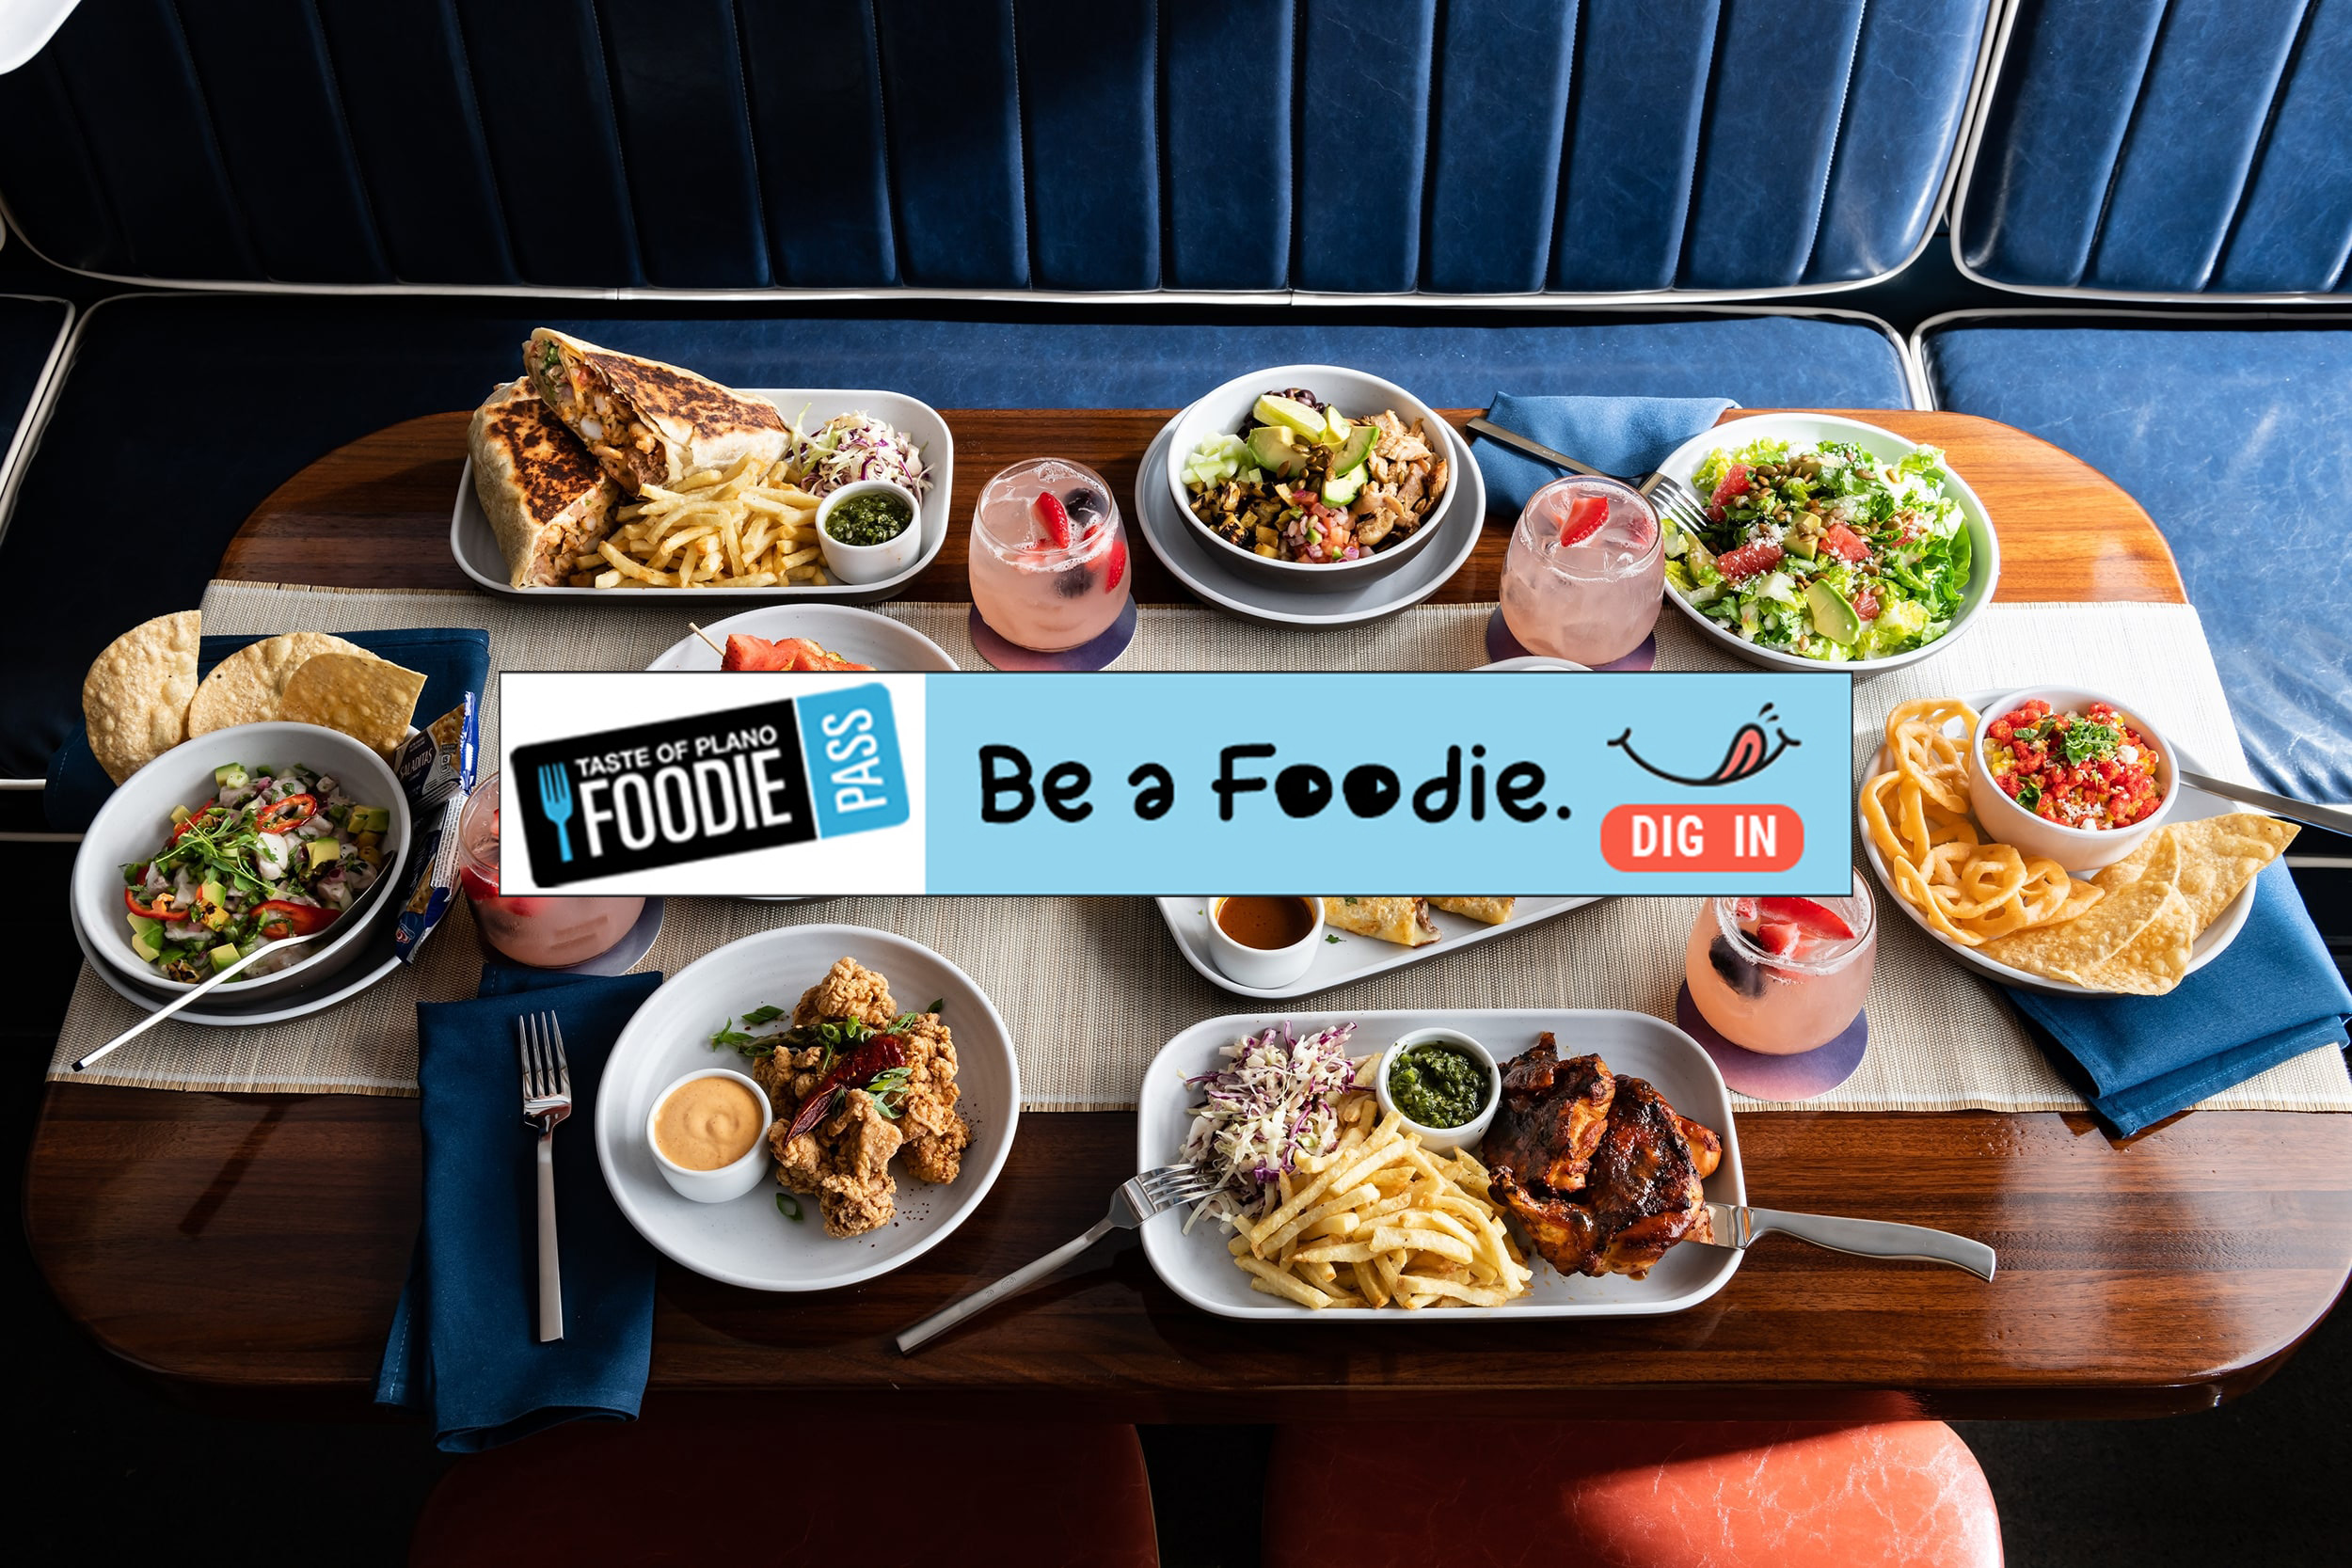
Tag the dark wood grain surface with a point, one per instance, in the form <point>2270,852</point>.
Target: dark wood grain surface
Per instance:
<point>377,514</point>
<point>251,1246</point>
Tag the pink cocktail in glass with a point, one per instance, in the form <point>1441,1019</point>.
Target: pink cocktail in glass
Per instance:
<point>1782,976</point>
<point>1585,572</point>
<point>1049,555</point>
<point>542,931</point>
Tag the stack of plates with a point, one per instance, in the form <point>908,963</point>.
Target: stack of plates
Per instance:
<point>1195,559</point>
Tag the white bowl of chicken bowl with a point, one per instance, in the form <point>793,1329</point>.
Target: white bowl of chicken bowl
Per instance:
<point>1314,475</point>
<point>236,838</point>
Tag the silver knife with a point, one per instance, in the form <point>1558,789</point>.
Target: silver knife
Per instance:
<point>1734,1225</point>
<point>2334,818</point>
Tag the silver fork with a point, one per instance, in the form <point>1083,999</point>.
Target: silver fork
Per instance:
<point>1138,1199</point>
<point>546,1101</point>
<point>1669,493</point>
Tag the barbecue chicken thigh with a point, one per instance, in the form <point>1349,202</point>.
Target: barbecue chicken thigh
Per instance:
<point>1598,1168</point>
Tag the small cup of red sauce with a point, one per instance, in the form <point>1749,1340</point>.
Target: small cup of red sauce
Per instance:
<point>2068,775</point>
<point>1264,940</point>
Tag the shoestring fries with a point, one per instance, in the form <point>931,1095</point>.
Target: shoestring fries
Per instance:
<point>1380,1221</point>
<point>748,526</point>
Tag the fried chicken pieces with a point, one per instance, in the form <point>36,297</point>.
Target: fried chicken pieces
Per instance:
<point>844,1160</point>
<point>1600,1170</point>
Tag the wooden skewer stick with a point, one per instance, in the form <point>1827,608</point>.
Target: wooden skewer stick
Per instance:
<point>706,637</point>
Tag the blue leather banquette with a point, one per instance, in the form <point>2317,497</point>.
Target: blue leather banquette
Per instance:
<point>1474,147</point>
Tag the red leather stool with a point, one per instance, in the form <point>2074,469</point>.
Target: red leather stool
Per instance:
<point>739,1491</point>
<point>1630,1495</point>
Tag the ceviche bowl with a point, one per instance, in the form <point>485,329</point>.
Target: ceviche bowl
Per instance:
<point>1805,433</point>
<point>2075,849</point>
<point>1358,396</point>
<point>137,821</point>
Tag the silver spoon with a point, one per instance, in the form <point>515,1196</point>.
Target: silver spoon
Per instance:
<point>226,973</point>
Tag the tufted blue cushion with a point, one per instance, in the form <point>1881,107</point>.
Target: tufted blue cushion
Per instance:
<point>2186,146</point>
<point>315,374</point>
<point>1474,147</point>
<point>2238,441</point>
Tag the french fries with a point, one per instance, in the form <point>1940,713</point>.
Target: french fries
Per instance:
<point>1381,1221</point>
<point>746,527</point>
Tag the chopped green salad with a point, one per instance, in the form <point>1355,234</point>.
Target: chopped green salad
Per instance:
<point>277,853</point>
<point>1827,553</point>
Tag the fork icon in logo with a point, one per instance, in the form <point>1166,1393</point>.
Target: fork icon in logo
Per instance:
<point>555,798</point>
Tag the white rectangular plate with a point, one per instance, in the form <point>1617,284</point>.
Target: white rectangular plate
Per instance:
<point>1352,956</point>
<point>477,549</point>
<point>1198,1268</point>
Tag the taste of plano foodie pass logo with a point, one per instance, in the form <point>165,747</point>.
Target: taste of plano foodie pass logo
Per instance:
<point>692,788</point>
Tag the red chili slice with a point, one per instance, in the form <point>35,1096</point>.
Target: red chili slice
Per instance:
<point>131,897</point>
<point>278,919</point>
<point>292,812</point>
<point>854,1070</point>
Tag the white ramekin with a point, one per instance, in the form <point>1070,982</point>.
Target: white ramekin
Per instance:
<point>2076,848</point>
<point>729,1182</point>
<point>1266,968</point>
<point>870,562</point>
<point>1439,1140</point>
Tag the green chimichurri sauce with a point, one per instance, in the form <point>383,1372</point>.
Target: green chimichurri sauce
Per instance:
<point>1437,1086</point>
<point>872,518</point>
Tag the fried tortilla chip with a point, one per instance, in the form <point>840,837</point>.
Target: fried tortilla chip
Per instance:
<point>2219,855</point>
<point>369,699</point>
<point>134,700</point>
<point>245,687</point>
<point>2068,950</point>
<point>2153,962</point>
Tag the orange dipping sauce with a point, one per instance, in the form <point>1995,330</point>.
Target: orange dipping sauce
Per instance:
<point>1257,920</point>
<point>708,1124</point>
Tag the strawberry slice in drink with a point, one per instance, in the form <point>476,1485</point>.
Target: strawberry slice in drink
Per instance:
<point>1054,517</point>
<point>1583,518</point>
<point>1116,569</point>
<point>1805,915</point>
<point>1777,937</point>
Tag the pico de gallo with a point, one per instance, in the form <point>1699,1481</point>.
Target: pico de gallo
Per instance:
<point>1827,553</point>
<point>274,853</point>
<point>2089,769</point>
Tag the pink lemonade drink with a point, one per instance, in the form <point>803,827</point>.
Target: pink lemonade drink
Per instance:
<point>541,931</point>
<point>1585,571</point>
<point>1782,976</point>
<point>1049,555</point>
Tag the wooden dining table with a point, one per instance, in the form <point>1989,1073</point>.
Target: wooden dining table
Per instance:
<point>251,1247</point>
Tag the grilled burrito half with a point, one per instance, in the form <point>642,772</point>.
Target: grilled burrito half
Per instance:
<point>1404,921</point>
<point>547,499</point>
<point>648,422</point>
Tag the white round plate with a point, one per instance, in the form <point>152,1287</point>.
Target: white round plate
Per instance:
<point>1187,552</point>
<point>475,547</point>
<point>747,1242</point>
<point>2190,805</point>
<point>374,961</point>
<point>1806,430</point>
<point>857,635</point>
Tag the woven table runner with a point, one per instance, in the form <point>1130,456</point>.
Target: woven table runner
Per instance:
<point>1092,988</point>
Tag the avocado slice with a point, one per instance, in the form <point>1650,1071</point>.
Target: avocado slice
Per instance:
<point>1270,448</point>
<point>324,852</point>
<point>370,820</point>
<point>224,955</point>
<point>212,905</point>
<point>1290,414</point>
<point>147,938</point>
<point>231,775</point>
<point>1341,491</point>
<point>1355,449</point>
<point>1336,427</point>
<point>1833,617</point>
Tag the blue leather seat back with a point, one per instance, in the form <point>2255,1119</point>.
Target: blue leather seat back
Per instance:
<point>2238,441</point>
<point>1477,147</point>
<point>2166,147</point>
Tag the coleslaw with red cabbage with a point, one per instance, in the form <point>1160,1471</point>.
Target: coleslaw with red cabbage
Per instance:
<point>1276,1101</point>
<point>851,447</point>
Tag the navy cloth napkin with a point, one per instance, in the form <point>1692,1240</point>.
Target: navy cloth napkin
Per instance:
<point>465,1345</point>
<point>453,660</point>
<point>2272,995</point>
<point>1628,437</point>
